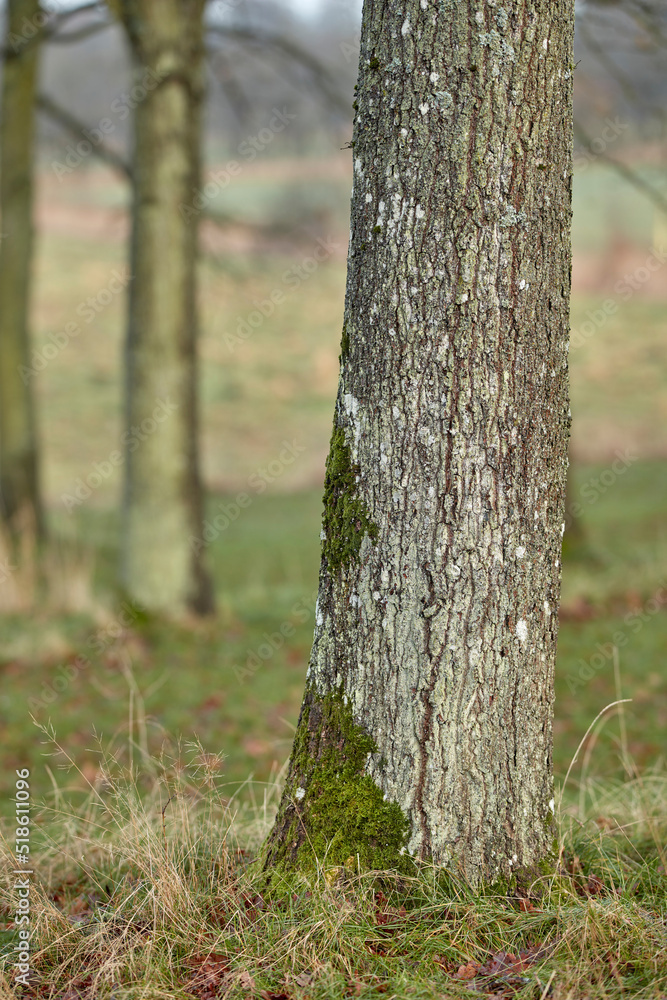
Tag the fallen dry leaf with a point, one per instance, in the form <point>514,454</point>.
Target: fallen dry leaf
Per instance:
<point>209,973</point>
<point>388,917</point>
<point>79,904</point>
<point>613,968</point>
<point>505,964</point>
<point>595,885</point>
<point>468,971</point>
<point>358,986</point>
<point>80,988</point>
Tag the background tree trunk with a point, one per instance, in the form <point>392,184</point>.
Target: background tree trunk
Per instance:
<point>19,491</point>
<point>161,569</point>
<point>426,725</point>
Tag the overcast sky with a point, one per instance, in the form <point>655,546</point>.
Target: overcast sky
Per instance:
<point>304,7</point>
<point>309,7</point>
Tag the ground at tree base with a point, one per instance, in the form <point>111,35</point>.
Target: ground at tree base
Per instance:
<point>131,901</point>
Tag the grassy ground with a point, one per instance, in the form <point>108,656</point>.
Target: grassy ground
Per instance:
<point>122,692</point>
<point>239,689</point>
<point>149,891</point>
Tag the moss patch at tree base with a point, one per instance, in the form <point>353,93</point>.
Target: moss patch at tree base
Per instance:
<point>332,812</point>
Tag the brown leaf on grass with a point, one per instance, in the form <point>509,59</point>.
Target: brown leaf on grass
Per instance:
<point>79,989</point>
<point>218,916</point>
<point>526,906</point>
<point>595,885</point>
<point>390,916</point>
<point>613,968</point>
<point>468,971</point>
<point>356,987</point>
<point>268,995</point>
<point>304,979</point>
<point>209,973</point>
<point>246,981</point>
<point>253,906</point>
<point>80,910</point>
<point>506,964</point>
<point>79,904</point>
<point>591,886</point>
<point>386,916</point>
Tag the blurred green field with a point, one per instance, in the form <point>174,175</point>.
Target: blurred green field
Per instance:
<point>235,683</point>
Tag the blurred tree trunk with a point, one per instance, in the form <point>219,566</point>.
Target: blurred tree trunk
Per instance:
<point>20,505</point>
<point>161,569</point>
<point>426,725</point>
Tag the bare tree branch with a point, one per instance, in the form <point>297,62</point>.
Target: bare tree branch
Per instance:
<point>77,129</point>
<point>622,169</point>
<point>234,93</point>
<point>600,53</point>
<point>261,39</point>
<point>49,29</point>
<point>78,36</point>
<point>626,85</point>
<point>648,17</point>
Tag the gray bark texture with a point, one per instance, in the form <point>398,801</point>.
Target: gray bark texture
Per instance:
<point>162,511</point>
<point>20,505</point>
<point>426,727</point>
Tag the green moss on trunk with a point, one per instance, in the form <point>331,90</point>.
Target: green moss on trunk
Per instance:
<point>346,519</point>
<point>332,811</point>
<point>344,344</point>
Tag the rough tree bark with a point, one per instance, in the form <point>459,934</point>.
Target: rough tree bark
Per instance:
<point>19,489</point>
<point>161,569</point>
<point>426,725</point>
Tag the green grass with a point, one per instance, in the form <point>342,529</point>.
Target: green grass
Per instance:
<point>236,682</point>
<point>147,890</point>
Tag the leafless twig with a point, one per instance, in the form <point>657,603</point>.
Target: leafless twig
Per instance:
<point>287,46</point>
<point>622,169</point>
<point>77,129</point>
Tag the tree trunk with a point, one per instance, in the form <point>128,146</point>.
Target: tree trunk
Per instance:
<point>426,726</point>
<point>161,569</point>
<point>19,492</point>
